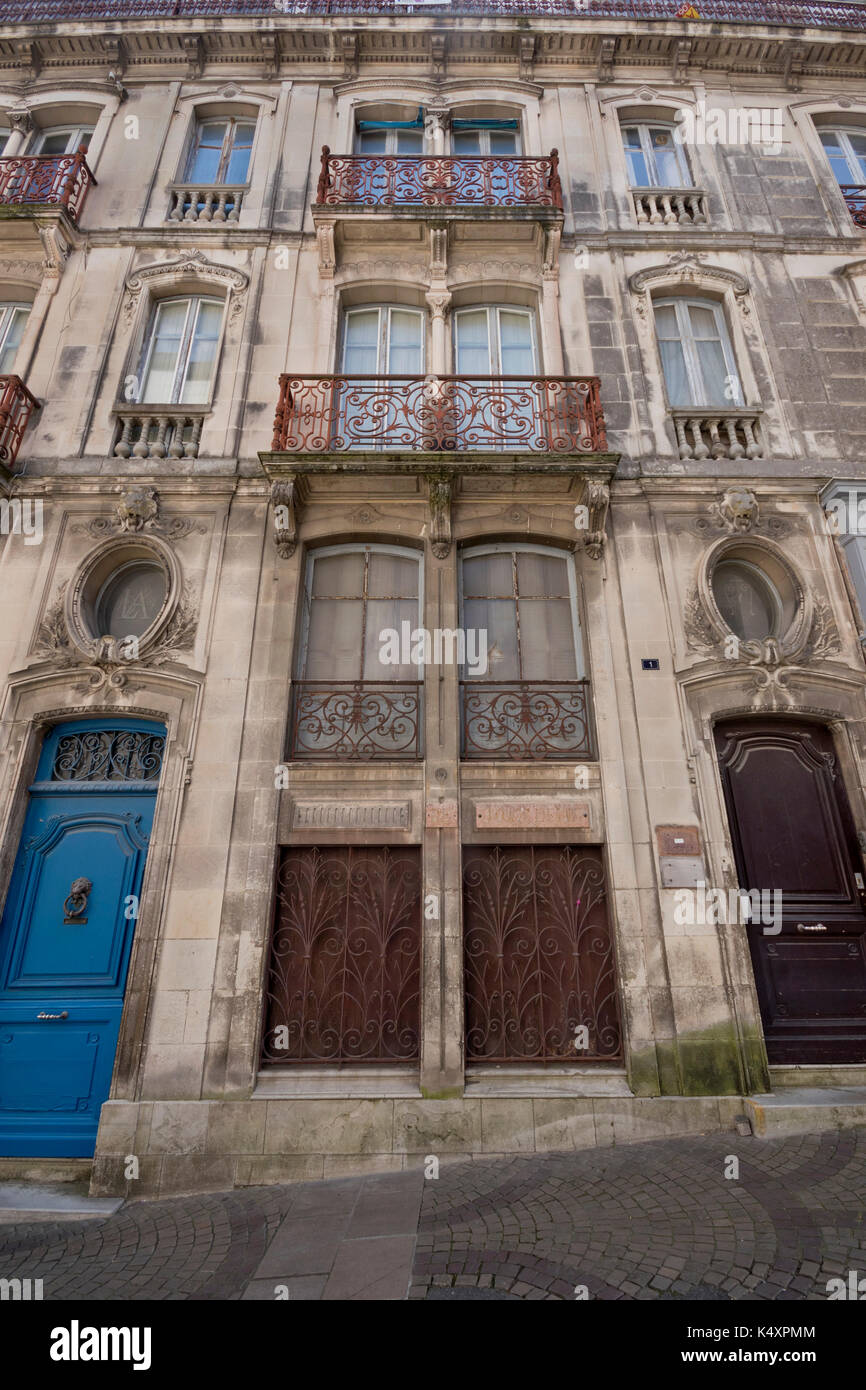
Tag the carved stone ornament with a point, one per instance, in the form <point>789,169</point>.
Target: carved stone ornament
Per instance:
<point>287,495</point>
<point>21,119</point>
<point>596,498</point>
<point>683,267</point>
<point>440,490</point>
<point>137,513</point>
<point>197,264</point>
<point>738,510</point>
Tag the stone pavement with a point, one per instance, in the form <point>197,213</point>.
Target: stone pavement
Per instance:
<point>645,1221</point>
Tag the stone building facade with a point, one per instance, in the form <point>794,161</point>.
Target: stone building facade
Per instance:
<point>556,351</point>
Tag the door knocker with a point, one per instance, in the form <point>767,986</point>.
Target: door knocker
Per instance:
<point>76,903</point>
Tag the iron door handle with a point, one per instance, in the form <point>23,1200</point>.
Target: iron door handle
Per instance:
<point>75,903</point>
<point>44,1018</point>
<point>819,926</point>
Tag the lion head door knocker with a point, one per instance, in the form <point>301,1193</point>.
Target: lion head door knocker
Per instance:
<point>76,903</point>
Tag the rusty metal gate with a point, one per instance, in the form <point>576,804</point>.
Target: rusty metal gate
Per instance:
<point>538,957</point>
<point>344,975</point>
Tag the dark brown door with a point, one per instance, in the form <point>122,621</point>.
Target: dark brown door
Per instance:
<point>793,831</point>
<point>344,980</point>
<point>539,968</point>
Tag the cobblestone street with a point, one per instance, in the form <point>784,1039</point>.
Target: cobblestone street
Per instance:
<point>646,1221</point>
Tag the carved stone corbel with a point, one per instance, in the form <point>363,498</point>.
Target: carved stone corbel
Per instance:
<point>193,47</point>
<point>349,49</point>
<point>440,489</point>
<point>21,119</point>
<point>606,54</point>
<point>527,55</point>
<point>596,499</point>
<point>287,496</point>
<point>682,57</point>
<point>56,249</point>
<point>550,265</point>
<point>327,249</point>
<point>437,54</point>
<point>438,251</point>
<point>793,69</point>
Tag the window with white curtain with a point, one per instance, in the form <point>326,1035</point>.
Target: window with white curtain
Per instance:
<point>179,353</point>
<point>697,358</point>
<point>524,598</point>
<point>353,595</point>
<point>846,151</point>
<point>383,341</point>
<point>61,139</point>
<point>13,320</point>
<point>495,341</point>
<point>655,158</point>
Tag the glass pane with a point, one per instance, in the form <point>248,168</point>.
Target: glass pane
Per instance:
<point>745,600</point>
<point>130,601</point>
<point>167,337</point>
<point>515,338</point>
<point>385,617</point>
<point>466,142</point>
<point>58,142</point>
<point>666,321</point>
<point>361,349</point>
<point>409,141</point>
<point>239,159</point>
<point>14,321</point>
<point>205,161</point>
<point>392,576</point>
<point>371,141</point>
<point>504,142</point>
<point>4,136</point>
<point>547,640</point>
<point>473,350</point>
<point>339,576</point>
<point>334,640</point>
<point>404,343</point>
<point>676,378</point>
<point>498,619</point>
<point>858,145</point>
<point>836,155</point>
<point>638,172</point>
<point>704,322</point>
<point>541,576</point>
<point>714,371</point>
<point>202,354</point>
<point>488,576</point>
<point>667,158</point>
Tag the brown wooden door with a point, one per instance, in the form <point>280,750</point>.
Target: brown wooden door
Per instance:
<point>792,830</point>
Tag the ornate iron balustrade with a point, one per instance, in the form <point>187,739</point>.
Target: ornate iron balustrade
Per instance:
<point>526,721</point>
<point>538,958</point>
<point>489,181</point>
<point>46,180</point>
<point>345,970</point>
<point>773,12</point>
<point>16,406</point>
<point>855,196</point>
<point>541,414</point>
<point>360,721</point>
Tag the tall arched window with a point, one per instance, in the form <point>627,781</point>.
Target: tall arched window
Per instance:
<point>179,351</point>
<point>697,357</point>
<point>526,696</point>
<point>656,159</point>
<point>359,668</point>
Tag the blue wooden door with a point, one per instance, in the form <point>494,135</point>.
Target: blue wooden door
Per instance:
<point>66,932</point>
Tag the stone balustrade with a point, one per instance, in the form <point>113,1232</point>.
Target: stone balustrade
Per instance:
<point>211,203</point>
<point>668,207</point>
<point>719,434</point>
<point>159,431</point>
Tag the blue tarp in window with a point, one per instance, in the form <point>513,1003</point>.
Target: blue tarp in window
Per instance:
<point>417,124</point>
<point>485,125</point>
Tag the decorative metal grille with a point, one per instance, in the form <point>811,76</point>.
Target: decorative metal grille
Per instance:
<point>555,415</point>
<point>109,755</point>
<point>855,197</point>
<point>786,12</point>
<point>344,982</point>
<point>526,720</point>
<point>54,180</point>
<point>538,956</point>
<point>358,720</point>
<point>16,407</point>
<point>491,181</point>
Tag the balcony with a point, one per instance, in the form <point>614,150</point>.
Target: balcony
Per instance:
<point>358,721</point>
<point>43,182</point>
<point>526,721</point>
<point>439,181</point>
<point>159,431</point>
<point>855,196</point>
<point>219,202</point>
<point>720,434</point>
<point>670,207</point>
<point>447,414</point>
<point>16,406</point>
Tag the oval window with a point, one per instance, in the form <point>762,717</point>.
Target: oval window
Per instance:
<point>130,600</point>
<point>747,600</point>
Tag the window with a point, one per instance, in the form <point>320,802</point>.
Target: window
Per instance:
<point>354,597</point>
<point>747,599</point>
<point>655,157</point>
<point>383,341</point>
<point>130,600</point>
<point>846,151</point>
<point>485,138</point>
<point>494,342</point>
<point>62,139</point>
<point>391,137</point>
<point>524,599</point>
<point>180,351</point>
<point>13,319</point>
<point>220,151</point>
<point>696,353</point>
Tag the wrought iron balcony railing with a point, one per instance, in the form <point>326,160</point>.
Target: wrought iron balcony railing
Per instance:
<point>539,414</point>
<point>16,406</point>
<point>46,180</point>
<point>361,721</point>
<point>526,721</point>
<point>855,196</point>
<point>478,181</point>
<point>775,12</point>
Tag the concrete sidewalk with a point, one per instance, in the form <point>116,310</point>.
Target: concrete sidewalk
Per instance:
<point>664,1220</point>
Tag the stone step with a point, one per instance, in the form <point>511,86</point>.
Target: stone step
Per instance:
<point>806,1110</point>
<point>52,1201</point>
<point>820,1077</point>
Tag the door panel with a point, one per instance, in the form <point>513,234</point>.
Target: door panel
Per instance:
<point>793,832</point>
<point>66,933</point>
